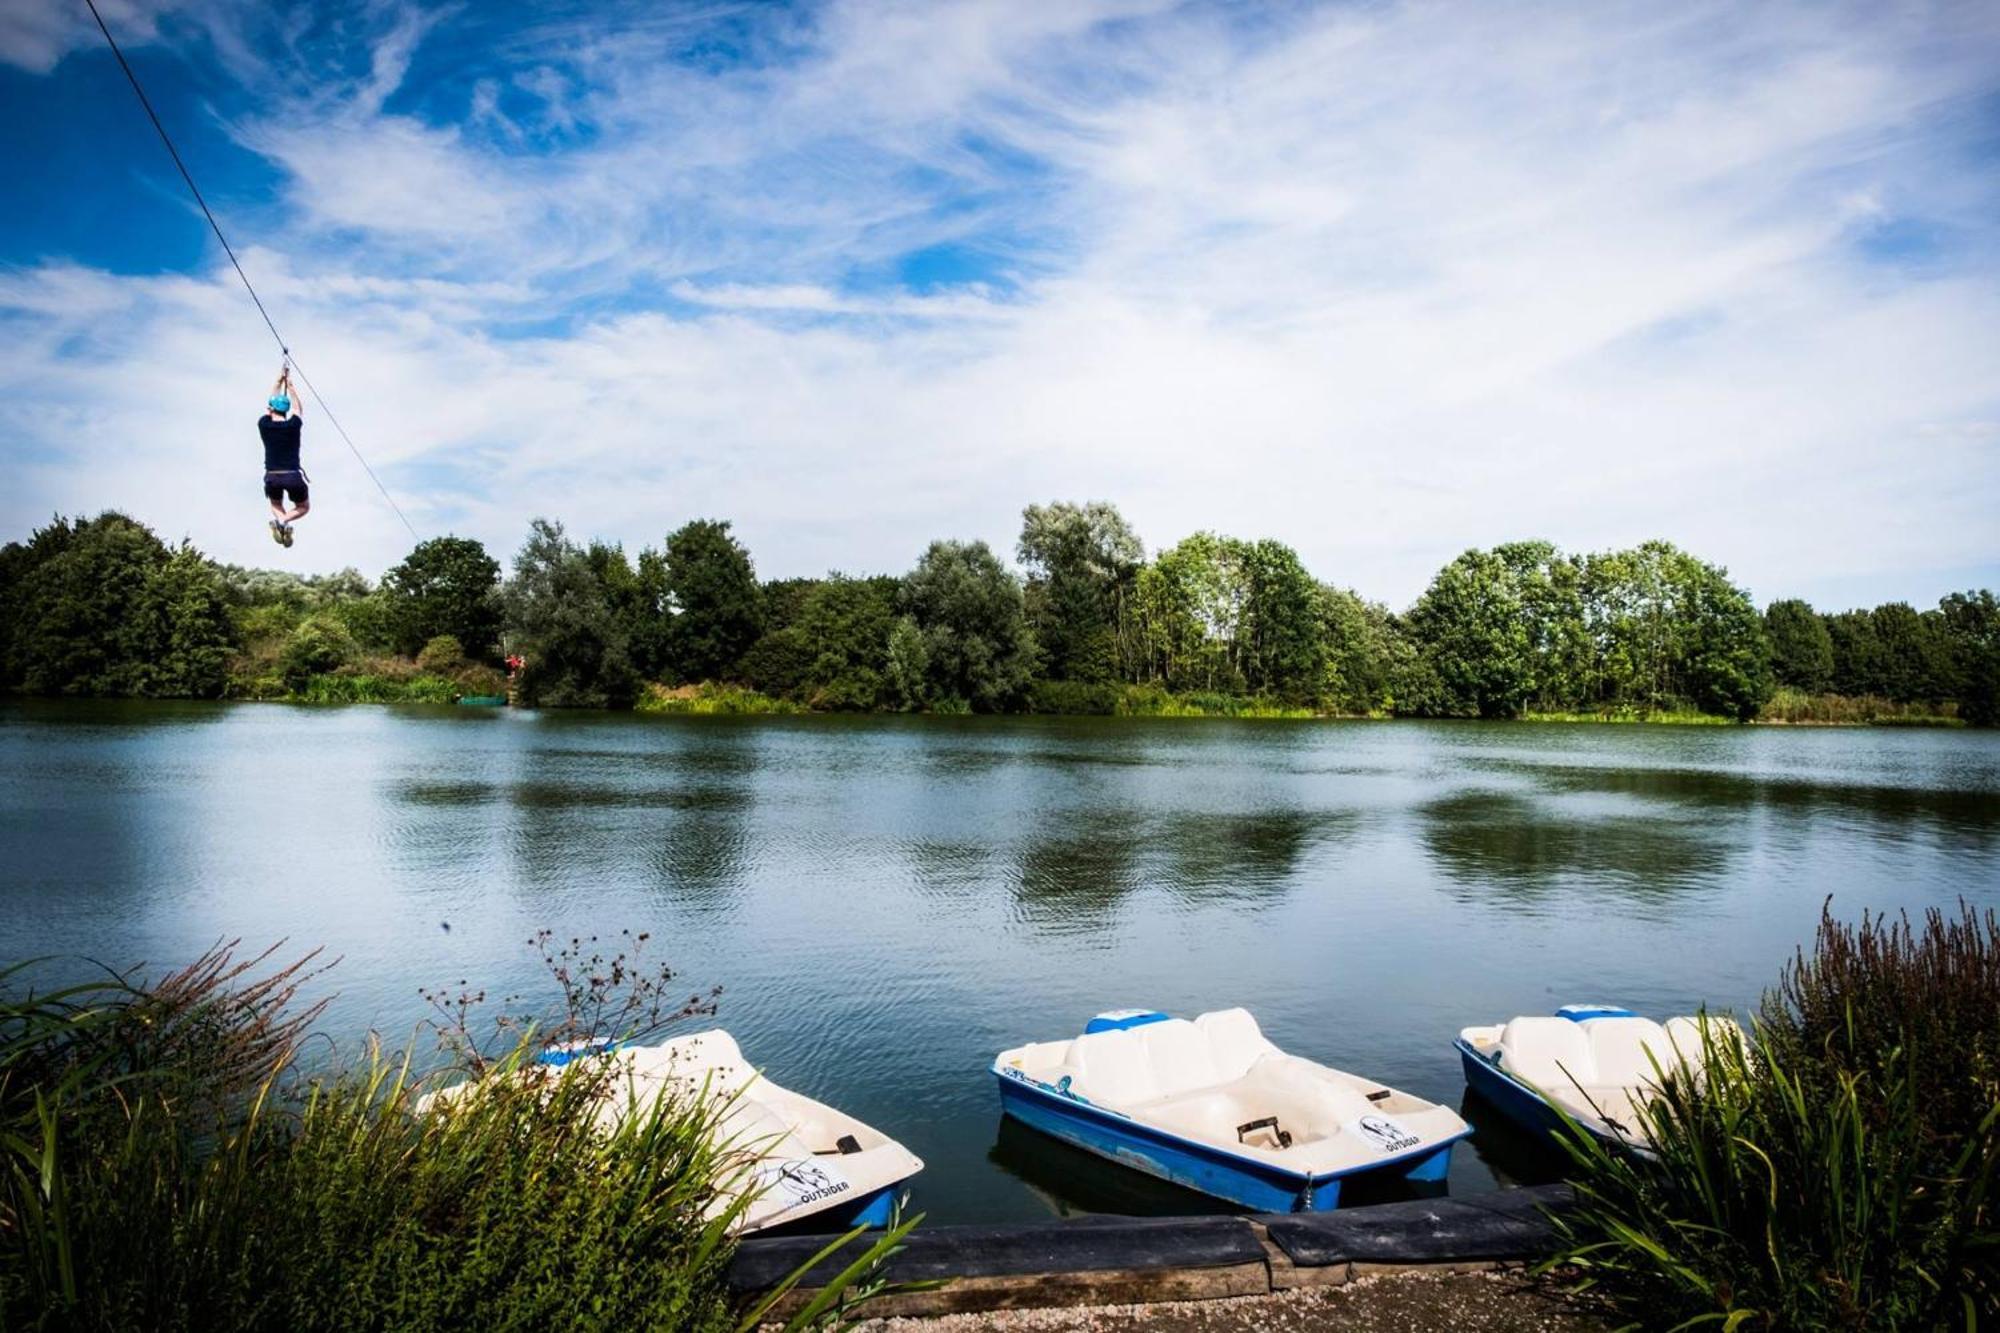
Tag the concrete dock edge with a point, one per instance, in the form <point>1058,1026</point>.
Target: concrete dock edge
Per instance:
<point>1134,1260</point>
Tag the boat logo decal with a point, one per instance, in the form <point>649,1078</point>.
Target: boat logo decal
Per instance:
<point>802,1180</point>
<point>1384,1133</point>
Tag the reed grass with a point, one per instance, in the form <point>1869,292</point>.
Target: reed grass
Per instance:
<point>1837,1169</point>
<point>1797,708</point>
<point>709,698</point>
<point>1675,717</point>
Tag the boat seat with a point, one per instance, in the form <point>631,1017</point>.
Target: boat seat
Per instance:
<point>1114,1068</point>
<point>1623,1050</point>
<point>1623,1107</point>
<point>1235,1042</point>
<point>1179,1054</point>
<point>1685,1036</point>
<point>1551,1053</point>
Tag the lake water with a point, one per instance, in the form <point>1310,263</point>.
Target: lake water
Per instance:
<point>888,902</point>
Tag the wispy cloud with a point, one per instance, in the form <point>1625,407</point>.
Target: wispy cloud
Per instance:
<point>1379,281</point>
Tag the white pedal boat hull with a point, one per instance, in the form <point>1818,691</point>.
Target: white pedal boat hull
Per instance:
<point>801,1158</point>
<point>1594,1062</point>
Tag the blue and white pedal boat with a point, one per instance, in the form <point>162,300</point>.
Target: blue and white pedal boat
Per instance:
<point>796,1158</point>
<point>1600,1064</point>
<point>1212,1105</point>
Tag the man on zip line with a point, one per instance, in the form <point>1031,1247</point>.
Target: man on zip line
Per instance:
<point>281,428</point>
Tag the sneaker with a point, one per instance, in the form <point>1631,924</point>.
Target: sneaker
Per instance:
<point>278,533</point>
<point>285,534</point>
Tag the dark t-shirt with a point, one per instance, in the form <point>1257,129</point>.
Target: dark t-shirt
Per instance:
<point>281,443</point>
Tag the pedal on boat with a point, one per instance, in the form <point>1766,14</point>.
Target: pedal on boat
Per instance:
<point>1211,1105</point>
<point>805,1159</point>
<point>1596,1062</point>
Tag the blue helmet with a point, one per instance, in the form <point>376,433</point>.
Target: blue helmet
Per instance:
<point>281,404</point>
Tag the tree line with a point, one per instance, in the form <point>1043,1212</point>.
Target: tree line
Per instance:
<point>1088,623</point>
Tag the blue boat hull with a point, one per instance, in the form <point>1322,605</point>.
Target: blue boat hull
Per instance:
<point>1194,1165</point>
<point>874,1210</point>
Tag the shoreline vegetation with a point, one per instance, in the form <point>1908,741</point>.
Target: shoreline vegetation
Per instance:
<point>168,1160</point>
<point>1090,625</point>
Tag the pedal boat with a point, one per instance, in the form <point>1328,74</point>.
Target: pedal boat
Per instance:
<point>1599,1063</point>
<point>800,1158</point>
<point>1213,1106</point>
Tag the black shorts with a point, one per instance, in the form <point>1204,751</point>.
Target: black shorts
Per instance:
<point>278,484</point>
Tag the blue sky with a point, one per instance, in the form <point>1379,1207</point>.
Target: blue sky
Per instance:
<point>1379,280</point>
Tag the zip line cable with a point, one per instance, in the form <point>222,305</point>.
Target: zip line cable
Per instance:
<point>216,227</point>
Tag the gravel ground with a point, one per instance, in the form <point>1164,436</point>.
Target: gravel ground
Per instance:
<point>1395,1303</point>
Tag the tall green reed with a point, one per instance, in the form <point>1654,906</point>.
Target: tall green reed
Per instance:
<point>1835,1169</point>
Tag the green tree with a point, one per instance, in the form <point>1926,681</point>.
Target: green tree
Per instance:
<point>909,665</point>
<point>648,626</point>
<point>714,599</point>
<point>785,600</point>
<point>1726,667</point>
<point>1083,562</point>
<point>1472,628</point>
<point>1370,664</point>
<point>1913,650</point>
<point>1561,655</point>
<point>637,599</point>
<point>1801,649</point>
<point>1282,650</point>
<point>103,607</point>
<point>978,648</point>
<point>832,650</point>
<point>846,624</point>
<point>556,616</point>
<point>1857,655</point>
<point>197,635</point>
<point>1972,629</point>
<point>447,585</point>
<point>1192,604</point>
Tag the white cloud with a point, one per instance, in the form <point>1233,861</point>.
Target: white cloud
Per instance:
<point>1380,282</point>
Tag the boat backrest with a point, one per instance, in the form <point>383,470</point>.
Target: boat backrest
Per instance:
<point>1551,1053</point>
<point>1114,1067</point>
<point>1234,1042</point>
<point>711,1058</point>
<point>1619,1046</point>
<point>1179,1053</point>
<point>1685,1034</point>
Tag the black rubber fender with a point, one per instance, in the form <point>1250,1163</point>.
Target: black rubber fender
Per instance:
<point>1079,1245</point>
<point>1505,1224</point>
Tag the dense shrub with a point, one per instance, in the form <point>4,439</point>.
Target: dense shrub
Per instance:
<point>442,655</point>
<point>1797,707</point>
<point>1074,697</point>
<point>318,646</point>
<point>1842,1170</point>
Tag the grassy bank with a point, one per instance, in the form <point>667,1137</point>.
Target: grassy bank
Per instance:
<point>1792,707</point>
<point>164,1164</point>
<point>1656,717</point>
<point>711,699</point>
